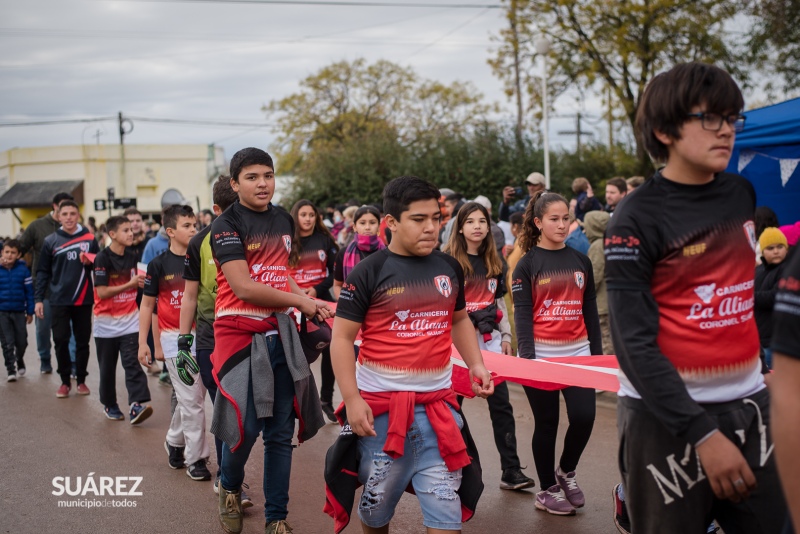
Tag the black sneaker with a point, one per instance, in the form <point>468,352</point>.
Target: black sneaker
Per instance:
<point>198,471</point>
<point>176,459</point>
<point>327,409</point>
<point>515,479</point>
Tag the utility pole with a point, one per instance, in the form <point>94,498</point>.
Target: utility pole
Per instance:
<point>125,128</point>
<point>517,82</point>
<point>577,132</point>
<point>610,118</point>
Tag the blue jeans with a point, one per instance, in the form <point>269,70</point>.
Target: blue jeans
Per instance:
<point>385,479</point>
<point>277,434</point>
<point>768,356</point>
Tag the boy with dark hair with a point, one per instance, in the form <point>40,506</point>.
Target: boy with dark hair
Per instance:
<point>186,438</point>
<point>263,378</point>
<point>66,273</point>
<point>693,409</point>
<point>199,296</point>
<point>116,323</point>
<point>33,240</point>
<point>404,363</point>
<point>16,308</point>
<point>134,216</point>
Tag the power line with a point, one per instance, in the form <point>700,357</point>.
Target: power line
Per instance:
<point>60,121</point>
<point>331,3</point>
<point>196,122</point>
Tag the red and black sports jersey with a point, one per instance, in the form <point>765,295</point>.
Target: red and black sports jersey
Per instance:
<point>679,271</point>
<point>786,314</point>
<point>405,305</point>
<point>481,292</point>
<point>164,281</point>
<point>118,315</point>
<point>555,306</point>
<point>316,263</point>
<point>263,240</point>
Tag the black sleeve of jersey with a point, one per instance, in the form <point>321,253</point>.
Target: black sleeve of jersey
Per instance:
<point>338,271</point>
<point>356,294</point>
<point>153,274</point>
<point>522,291</point>
<point>590,316</point>
<point>191,266</point>
<point>461,300</point>
<point>630,252</point>
<point>786,315</point>
<point>101,267</point>
<point>94,247</point>
<point>330,253</point>
<point>226,241</point>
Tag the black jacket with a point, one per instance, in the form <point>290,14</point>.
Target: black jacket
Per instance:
<point>766,285</point>
<point>61,270</point>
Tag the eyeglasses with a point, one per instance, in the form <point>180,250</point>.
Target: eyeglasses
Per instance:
<point>713,121</point>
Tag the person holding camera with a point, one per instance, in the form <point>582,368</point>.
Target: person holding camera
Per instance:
<point>535,182</point>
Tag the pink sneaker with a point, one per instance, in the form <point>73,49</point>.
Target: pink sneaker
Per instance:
<point>553,501</point>
<point>63,391</point>
<point>569,484</point>
<point>82,389</point>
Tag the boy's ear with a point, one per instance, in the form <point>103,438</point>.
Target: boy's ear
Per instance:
<point>391,222</point>
<point>170,232</point>
<point>217,210</point>
<point>665,139</point>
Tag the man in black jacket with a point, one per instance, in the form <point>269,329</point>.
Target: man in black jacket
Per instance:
<point>65,272</point>
<point>33,240</point>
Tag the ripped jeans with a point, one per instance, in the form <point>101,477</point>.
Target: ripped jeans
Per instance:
<point>386,479</point>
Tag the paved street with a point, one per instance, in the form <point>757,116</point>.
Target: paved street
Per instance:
<point>42,437</point>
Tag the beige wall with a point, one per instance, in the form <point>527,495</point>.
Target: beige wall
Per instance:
<point>148,171</point>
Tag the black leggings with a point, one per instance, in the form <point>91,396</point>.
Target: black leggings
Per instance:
<point>328,378</point>
<point>580,413</point>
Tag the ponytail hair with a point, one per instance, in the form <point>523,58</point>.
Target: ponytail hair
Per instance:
<point>536,209</point>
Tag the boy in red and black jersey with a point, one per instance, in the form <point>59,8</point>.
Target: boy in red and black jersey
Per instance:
<point>262,387</point>
<point>408,302</point>
<point>679,270</point>
<point>116,322</point>
<point>186,438</point>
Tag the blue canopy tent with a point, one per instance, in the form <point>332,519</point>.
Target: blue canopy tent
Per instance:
<point>767,153</point>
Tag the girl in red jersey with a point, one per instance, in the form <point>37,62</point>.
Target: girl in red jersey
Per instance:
<point>311,265</point>
<point>366,223</point>
<point>555,311</point>
<point>473,247</point>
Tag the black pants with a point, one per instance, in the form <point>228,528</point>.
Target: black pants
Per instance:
<point>69,320</point>
<point>580,413</point>
<point>14,339</point>
<point>328,378</point>
<point>665,487</point>
<point>204,362</point>
<point>503,426</point>
<point>126,348</point>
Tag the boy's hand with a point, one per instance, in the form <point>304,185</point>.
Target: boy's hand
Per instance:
<point>145,358</point>
<point>726,469</point>
<point>136,281</point>
<point>39,310</point>
<point>323,310</point>
<point>360,417</point>
<point>159,354</point>
<point>481,380</point>
<point>29,319</point>
<point>184,362</point>
<point>506,348</point>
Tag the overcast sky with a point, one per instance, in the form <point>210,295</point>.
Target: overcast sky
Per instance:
<point>219,60</point>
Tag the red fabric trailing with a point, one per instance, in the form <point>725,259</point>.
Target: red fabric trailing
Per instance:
<point>400,405</point>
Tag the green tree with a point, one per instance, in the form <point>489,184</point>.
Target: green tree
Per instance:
<point>348,101</point>
<point>622,44</point>
<point>774,40</point>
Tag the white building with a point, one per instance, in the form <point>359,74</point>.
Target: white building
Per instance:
<point>30,177</point>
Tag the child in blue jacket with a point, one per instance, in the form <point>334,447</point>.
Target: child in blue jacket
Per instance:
<point>16,308</point>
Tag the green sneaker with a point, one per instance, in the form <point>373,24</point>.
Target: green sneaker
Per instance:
<point>230,510</point>
<point>277,527</point>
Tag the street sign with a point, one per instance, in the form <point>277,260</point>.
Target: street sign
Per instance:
<point>99,204</point>
<point>123,203</point>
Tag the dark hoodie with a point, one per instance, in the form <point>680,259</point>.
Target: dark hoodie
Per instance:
<point>766,285</point>
<point>62,271</point>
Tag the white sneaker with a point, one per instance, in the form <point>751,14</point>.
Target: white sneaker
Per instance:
<point>21,372</point>
<point>12,377</point>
